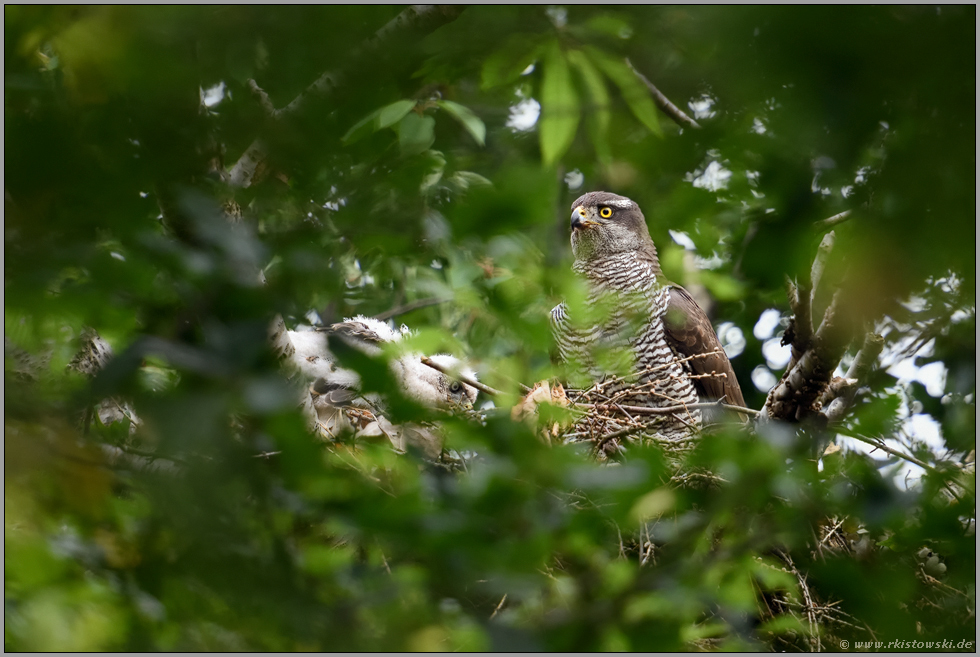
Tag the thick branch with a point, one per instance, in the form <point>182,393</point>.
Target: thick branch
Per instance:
<point>820,263</point>
<point>264,101</point>
<point>864,360</point>
<point>815,358</point>
<point>667,107</point>
<point>795,396</point>
<point>799,333</point>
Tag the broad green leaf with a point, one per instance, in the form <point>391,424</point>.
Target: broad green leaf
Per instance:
<point>378,119</point>
<point>597,113</point>
<point>416,133</point>
<point>634,92</point>
<point>559,106</point>
<point>507,64</point>
<point>392,114</point>
<point>362,128</point>
<point>470,121</point>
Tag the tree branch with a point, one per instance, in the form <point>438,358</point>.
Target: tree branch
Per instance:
<point>140,460</point>
<point>669,410</point>
<point>864,360</point>
<point>409,307</point>
<point>667,107</point>
<point>808,375</point>
<point>795,396</point>
<point>244,172</point>
<point>799,333</point>
<point>264,101</point>
<point>820,263</point>
<point>838,218</point>
<point>493,392</point>
<point>880,444</point>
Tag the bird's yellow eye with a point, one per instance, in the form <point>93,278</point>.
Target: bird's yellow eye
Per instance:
<point>605,213</point>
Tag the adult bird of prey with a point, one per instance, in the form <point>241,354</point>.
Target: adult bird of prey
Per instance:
<point>676,357</point>
<point>333,402</point>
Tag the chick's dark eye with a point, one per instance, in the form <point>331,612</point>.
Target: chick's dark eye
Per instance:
<point>455,387</point>
<point>605,213</point>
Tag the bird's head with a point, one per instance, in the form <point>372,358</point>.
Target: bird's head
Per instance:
<point>436,389</point>
<point>604,224</point>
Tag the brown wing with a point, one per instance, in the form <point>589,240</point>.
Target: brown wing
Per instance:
<point>689,332</point>
<point>356,334</point>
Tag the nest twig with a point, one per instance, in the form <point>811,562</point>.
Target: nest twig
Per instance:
<point>619,407</point>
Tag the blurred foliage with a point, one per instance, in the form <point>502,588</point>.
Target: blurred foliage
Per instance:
<point>420,177</point>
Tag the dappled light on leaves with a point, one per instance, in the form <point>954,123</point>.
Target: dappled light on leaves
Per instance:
<point>180,181</point>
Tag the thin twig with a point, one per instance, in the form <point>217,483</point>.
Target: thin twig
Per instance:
<point>482,387</point>
<point>617,434</point>
<point>667,107</point>
<point>837,526</point>
<point>810,606</point>
<point>153,456</point>
<point>499,606</point>
<point>409,307</point>
<point>880,444</point>
<point>384,562</point>
<point>669,410</point>
<point>838,218</point>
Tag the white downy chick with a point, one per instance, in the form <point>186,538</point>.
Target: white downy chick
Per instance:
<point>335,387</point>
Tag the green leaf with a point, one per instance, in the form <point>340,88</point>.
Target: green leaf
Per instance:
<point>378,119</point>
<point>392,114</point>
<point>463,180</point>
<point>507,64</point>
<point>652,505</point>
<point>470,121</point>
<point>783,624</point>
<point>434,174</point>
<point>559,106</point>
<point>634,92</point>
<point>610,26</point>
<point>597,115</point>
<point>416,133</point>
<point>361,129</point>
<point>722,286</point>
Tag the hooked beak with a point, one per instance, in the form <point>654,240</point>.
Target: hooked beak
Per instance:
<point>580,218</point>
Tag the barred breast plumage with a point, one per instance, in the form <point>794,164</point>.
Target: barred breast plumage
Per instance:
<point>665,341</point>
